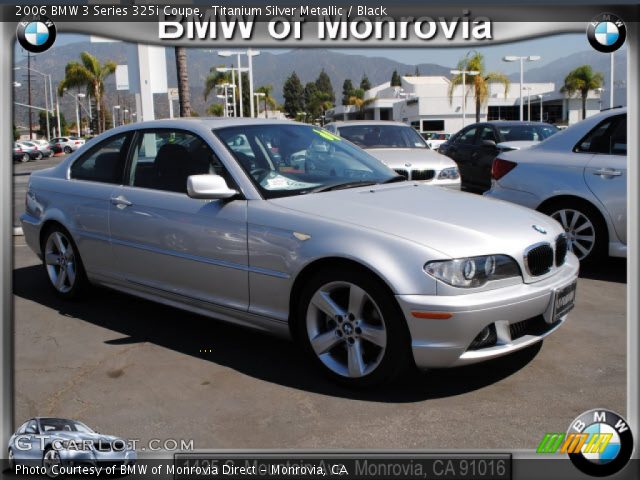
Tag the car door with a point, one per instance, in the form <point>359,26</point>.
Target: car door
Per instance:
<point>481,158</point>
<point>606,172</point>
<point>460,151</point>
<point>172,244</point>
<point>86,201</point>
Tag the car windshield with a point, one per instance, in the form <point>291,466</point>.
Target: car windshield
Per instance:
<point>290,159</point>
<point>62,425</point>
<point>535,133</point>
<point>383,136</point>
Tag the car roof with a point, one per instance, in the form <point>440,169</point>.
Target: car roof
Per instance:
<point>342,123</point>
<point>208,122</point>
<point>511,123</point>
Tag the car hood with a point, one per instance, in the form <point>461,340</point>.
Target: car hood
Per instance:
<point>517,144</point>
<point>417,157</point>
<point>456,224</point>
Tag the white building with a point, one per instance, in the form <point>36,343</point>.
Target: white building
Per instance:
<point>424,103</point>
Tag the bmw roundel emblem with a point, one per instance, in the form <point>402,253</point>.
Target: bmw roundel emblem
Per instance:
<point>36,34</point>
<point>605,442</point>
<point>606,32</point>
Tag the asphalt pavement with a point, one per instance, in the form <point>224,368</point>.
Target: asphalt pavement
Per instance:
<point>137,369</point>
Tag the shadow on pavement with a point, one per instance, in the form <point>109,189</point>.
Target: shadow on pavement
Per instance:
<point>251,353</point>
<point>608,269</point>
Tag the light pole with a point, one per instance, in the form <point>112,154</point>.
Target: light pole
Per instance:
<point>464,72</point>
<point>528,89</point>
<point>250,54</point>
<point>600,91</point>
<point>258,95</point>
<point>47,95</point>
<point>611,83</point>
<point>541,105</point>
<point>113,115</point>
<point>76,97</point>
<point>530,58</point>
<point>233,82</point>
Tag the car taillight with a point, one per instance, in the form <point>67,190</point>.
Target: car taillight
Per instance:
<point>501,167</point>
<point>19,150</point>
<point>77,143</point>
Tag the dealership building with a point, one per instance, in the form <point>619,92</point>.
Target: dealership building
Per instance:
<point>424,103</point>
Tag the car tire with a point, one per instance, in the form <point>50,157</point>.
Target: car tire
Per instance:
<point>25,158</point>
<point>366,346</point>
<point>67,150</point>
<point>62,263</point>
<point>49,458</point>
<point>584,226</point>
<point>38,156</point>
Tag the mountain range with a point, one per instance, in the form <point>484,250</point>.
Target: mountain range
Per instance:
<point>271,68</point>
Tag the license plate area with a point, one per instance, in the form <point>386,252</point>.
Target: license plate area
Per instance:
<point>563,301</point>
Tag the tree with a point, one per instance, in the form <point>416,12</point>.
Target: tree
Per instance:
<point>214,79</point>
<point>184,94</point>
<point>417,72</point>
<point>293,93</point>
<point>89,73</point>
<point>365,84</point>
<point>359,101</point>
<point>216,110</point>
<point>310,93</point>
<point>478,83</point>
<point>323,83</point>
<point>395,79</point>
<point>268,100</point>
<point>580,82</point>
<point>347,91</point>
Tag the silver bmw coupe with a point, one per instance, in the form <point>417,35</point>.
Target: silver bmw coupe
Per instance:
<point>290,229</point>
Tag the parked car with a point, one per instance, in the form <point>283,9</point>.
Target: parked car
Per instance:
<point>579,177</point>
<point>39,146</point>
<point>20,154</point>
<point>32,149</point>
<point>56,441</point>
<point>66,144</point>
<point>474,147</point>
<point>370,273</point>
<point>434,140</point>
<point>399,146</point>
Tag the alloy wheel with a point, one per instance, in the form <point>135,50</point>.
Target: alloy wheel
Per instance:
<point>12,460</point>
<point>581,233</point>
<point>346,329</point>
<point>51,459</point>
<point>60,261</point>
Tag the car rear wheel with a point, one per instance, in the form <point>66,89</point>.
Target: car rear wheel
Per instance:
<point>51,459</point>
<point>37,156</point>
<point>25,158</point>
<point>63,264</point>
<point>67,150</point>
<point>352,327</point>
<point>12,460</point>
<point>586,232</point>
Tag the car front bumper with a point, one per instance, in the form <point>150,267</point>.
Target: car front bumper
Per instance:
<point>438,343</point>
<point>93,457</point>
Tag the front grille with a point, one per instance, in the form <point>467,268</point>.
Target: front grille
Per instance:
<point>532,326</point>
<point>402,172</point>
<point>539,259</point>
<point>562,247</point>
<point>422,174</point>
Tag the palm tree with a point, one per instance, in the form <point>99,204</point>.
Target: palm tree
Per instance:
<point>358,100</point>
<point>214,79</point>
<point>216,110</point>
<point>184,94</point>
<point>267,98</point>
<point>90,74</point>
<point>580,82</point>
<point>479,83</point>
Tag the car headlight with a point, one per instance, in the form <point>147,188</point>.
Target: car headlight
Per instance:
<point>473,271</point>
<point>450,173</point>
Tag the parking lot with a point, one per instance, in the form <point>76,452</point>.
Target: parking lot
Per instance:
<point>133,368</point>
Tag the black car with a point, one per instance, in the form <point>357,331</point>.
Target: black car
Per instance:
<point>474,147</point>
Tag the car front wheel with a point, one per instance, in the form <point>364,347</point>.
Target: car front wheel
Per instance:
<point>585,230</point>
<point>50,459</point>
<point>63,264</point>
<point>25,158</point>
<point>12,460</point>
<point>38,156</point>
<point>67,150</point>
<point>352,328</point>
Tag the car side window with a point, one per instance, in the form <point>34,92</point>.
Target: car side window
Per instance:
<point>608,137</point>
<point>164,159</point>
<point>467,136</point>
<point>103,163</point>
<point>487,133</point>
<point>22,428</point>
<point>32,427</point>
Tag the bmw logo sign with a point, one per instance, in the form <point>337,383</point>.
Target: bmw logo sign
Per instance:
<point>606,32</point>
<point>608,445</point>
<point>36,34</point>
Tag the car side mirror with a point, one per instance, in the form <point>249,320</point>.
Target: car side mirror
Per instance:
<point>211,187</point>
<point>488,143</point>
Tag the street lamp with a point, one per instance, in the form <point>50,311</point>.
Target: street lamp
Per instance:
<point>464,72</point>
<point>258,95</point>
<point>113,114</point>
<point>47,95</point>
<point>124,116</point>
<point>250,54</point>
<point>233,82</point>
<point>530,58</point>
<point>528,89</point>
<point>79,95</point>
<point>541,116</point>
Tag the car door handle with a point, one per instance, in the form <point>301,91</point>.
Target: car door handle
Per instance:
<point>607,172</point>
<point>120,202</point>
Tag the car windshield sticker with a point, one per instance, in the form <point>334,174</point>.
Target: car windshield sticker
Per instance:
<point>279,182</point>
<point>327,136</point>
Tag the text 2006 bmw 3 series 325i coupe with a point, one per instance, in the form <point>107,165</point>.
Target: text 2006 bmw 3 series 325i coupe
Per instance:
<point>290,229</point>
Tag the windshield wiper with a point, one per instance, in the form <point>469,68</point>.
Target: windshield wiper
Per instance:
<point>397,178</point>
<point>341,186</point>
